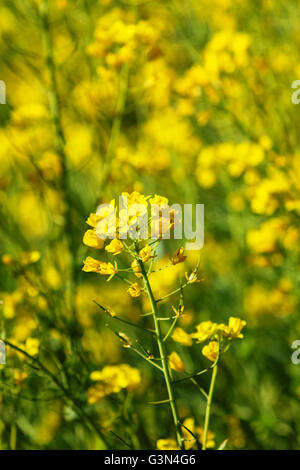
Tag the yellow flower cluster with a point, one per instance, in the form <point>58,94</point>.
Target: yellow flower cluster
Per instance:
<point>31,346</point>
<point>92,265</point>
<point>237,158</point>
<point>112,379</point>
<point>118,42</point>
<point>106,224</point>
<point>208,331</point>
<point>181,337</point>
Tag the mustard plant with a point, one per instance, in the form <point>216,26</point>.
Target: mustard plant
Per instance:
<point>107,232</point>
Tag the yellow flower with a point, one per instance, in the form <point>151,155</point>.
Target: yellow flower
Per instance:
<point>176,363</point>
<point>93,220</point>
<point>108,269</point>
<point>134,290</point>
<point>189,441</point>
<point>7,259</point>
<point>206,177</point>
<point>181,337</point>
<point>61,4</point>
<point>205,330</point>
<point>211,351</point>
<point>178,256</point>
<point>32,346</point>
<point>95,266</point>
<point>91,265</point>
<point>136,198</point>
<point>115,247</point>
<point>29,257</point>
<point>20,376</point>
<point>167,444</point>
<point>234,328</point>
<point>159,200</point>
<point>145,253</point>
<point>91,239</point>
<point>136,268</point>
<point>112,379</point>
<point>106,228</point>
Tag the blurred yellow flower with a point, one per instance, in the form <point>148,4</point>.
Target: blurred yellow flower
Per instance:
<point>234,328</point>
<point>7,259</point>
<point>93,220</point>
<point>112,379</point>
<point>108,269</point>
<point>32,346</point>
<point>159,200</point>
<point>91,239</point>
<point>180,336</point>
<point>134,290</point>
<point>20,376</point>
<point>91,265</point>
<point>167,444</point>
<point>211,350</point>
<point>176,363</point>
<point>205,330</point>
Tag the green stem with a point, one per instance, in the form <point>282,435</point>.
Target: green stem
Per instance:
<point>163,357</point>
<point>188,377</point>
<point>171,328</point>
<point>147,359</point>
<point>114,317</point>
<point>208,405</point>
<point>132,348</point>
<point>173,292</point>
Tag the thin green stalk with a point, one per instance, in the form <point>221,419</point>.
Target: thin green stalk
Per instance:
<point>122,440</point>
<point>114,317</point>
<point>163,358</point>
<point>147,359</point>
<point>171,328</point>
<point>173,292</point>
<point>132,348</point>
<point>208,405</point>
<point>13,436</point>
<point>188,377</point>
